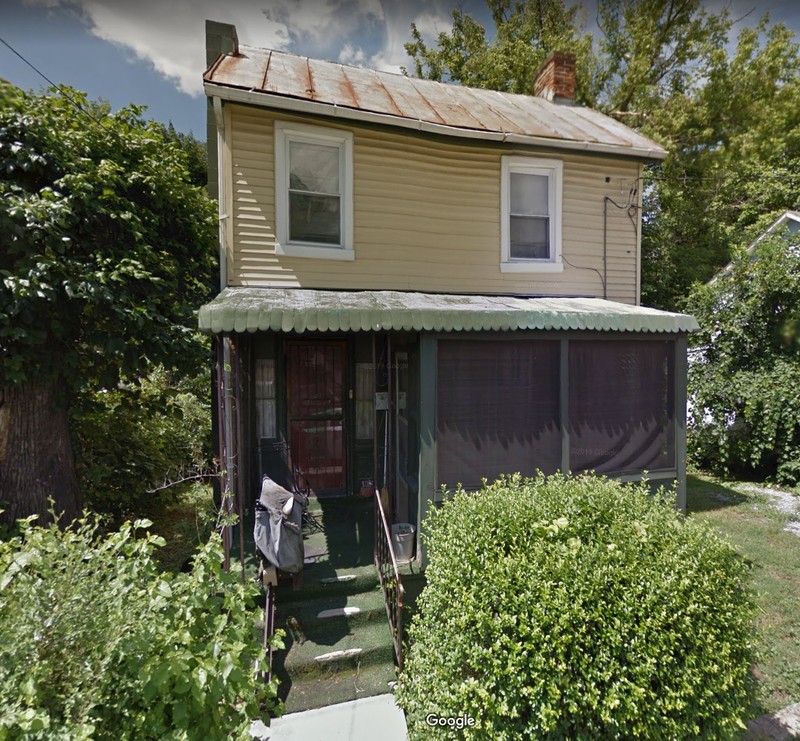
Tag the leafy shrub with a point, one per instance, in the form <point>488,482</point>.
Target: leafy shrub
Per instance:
<point>744,381</point>
<point>577,608</point>
<point>133,438</point>
<point>95,643</point>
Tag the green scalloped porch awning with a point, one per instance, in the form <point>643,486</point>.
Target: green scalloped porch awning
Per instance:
<point>305,310</point>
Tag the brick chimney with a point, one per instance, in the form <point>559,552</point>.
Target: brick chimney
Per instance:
<point>555,79</point>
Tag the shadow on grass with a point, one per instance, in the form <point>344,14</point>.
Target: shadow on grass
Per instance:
<point>704,495</point>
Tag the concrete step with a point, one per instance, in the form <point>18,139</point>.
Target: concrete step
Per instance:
<point>322,580</point>
<point>353,608</point>
<point>334,645</point>
<point>340,685</point>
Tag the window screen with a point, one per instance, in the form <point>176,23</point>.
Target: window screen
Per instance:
<point>621,406</point>
<point>497,409</point>
<point>529,226</point>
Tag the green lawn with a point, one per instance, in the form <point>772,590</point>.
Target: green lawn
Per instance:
<point>756,529</point>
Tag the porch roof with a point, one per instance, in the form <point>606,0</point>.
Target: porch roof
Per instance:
<point>247,309</point>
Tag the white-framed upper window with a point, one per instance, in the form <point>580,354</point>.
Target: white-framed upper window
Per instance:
<point>314,191</point>
<point>530,204</point>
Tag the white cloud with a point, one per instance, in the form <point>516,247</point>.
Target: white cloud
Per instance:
<point>351,55</point>
<point>430,25</point>
<point>320,21</point>
<point>170,34</point>
<point>399,16</point>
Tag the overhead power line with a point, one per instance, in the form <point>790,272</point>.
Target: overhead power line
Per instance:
<point>58,87</point>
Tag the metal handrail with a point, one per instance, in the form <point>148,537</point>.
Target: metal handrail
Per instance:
<point>269,628</point>
<point>389,576</point>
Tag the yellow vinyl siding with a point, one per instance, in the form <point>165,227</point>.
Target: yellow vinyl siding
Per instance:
<point>427,217</point>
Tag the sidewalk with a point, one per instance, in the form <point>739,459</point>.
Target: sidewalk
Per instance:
<point>781,726</point>
<point>357,720</point>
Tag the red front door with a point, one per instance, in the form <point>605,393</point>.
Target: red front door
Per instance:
<point>316,374</point>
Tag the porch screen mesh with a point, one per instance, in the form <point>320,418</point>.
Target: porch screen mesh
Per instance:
<point>621,406</point>
<point>497,409</point>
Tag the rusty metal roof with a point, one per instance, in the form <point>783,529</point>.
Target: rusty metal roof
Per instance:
<point>282,80</point>
<point>246,309</point>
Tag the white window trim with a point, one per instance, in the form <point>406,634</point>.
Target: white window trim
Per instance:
<point>286,132</point>
<point>554,170</point>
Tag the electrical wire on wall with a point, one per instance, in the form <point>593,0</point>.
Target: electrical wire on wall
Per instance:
<point>631,208</point>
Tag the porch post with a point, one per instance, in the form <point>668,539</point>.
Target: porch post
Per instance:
<point>226,437</point>
<point>681,381</point>
<point>427,426</point>
<point>563,403</point>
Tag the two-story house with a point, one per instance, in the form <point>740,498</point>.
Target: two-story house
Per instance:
<point>425,284</point>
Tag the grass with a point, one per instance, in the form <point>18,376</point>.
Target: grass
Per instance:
<point>755,528</point>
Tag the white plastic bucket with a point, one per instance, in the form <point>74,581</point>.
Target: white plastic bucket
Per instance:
<point>403,541</point>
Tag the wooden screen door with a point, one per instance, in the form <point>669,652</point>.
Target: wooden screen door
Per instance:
<point>316,375</point>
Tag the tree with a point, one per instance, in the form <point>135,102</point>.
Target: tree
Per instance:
<point>107,249</point>
<point>525,33</point>
<point>733,138</point>
<point>744,381</point>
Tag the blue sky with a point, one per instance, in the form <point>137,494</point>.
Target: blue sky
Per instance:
<point>151,52</point>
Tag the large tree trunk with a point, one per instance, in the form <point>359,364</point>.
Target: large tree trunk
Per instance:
<point>36,461</point>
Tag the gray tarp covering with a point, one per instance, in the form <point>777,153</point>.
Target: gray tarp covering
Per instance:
<point>278,536</point>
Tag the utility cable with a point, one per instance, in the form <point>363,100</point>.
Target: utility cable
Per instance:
<point>60,88</point>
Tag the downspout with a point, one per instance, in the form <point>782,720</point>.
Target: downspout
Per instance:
<point>606,199</point>
<point>222,195</point>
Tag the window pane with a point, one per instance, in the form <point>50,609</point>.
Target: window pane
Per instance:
<point>365,413</point>
<point>313,167</point>
<point>314,218</point>
<point>497,409</point>
<point>529,194</point>
<point>530,237</point>
<point>265,397</point>
<point>621,406</point>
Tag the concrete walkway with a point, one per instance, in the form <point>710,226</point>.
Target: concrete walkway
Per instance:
<point>359,720</point>
<point>781,726</point>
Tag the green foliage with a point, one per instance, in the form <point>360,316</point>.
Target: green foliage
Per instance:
<point>578,608</point>
<point>734,138</point>
<point>745,383</point>
<point>95,643</point>
<point>524,34</point>
<point>647,49</point>
<point>138,437</point>
<point>108,246</point>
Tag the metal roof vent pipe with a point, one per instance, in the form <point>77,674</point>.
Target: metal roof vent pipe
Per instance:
<point>555,79</point>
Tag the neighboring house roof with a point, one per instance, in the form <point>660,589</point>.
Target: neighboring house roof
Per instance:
<point>245,309</point>
<point>788,219</point>
<point>286,81</point>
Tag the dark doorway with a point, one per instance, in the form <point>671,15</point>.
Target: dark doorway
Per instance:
<point>316,376</point>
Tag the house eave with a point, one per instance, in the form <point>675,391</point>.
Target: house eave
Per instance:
<point>298,105</point>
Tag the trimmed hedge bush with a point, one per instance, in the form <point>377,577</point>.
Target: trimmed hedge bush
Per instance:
<point>577,608</point>
<point>95,643</point>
